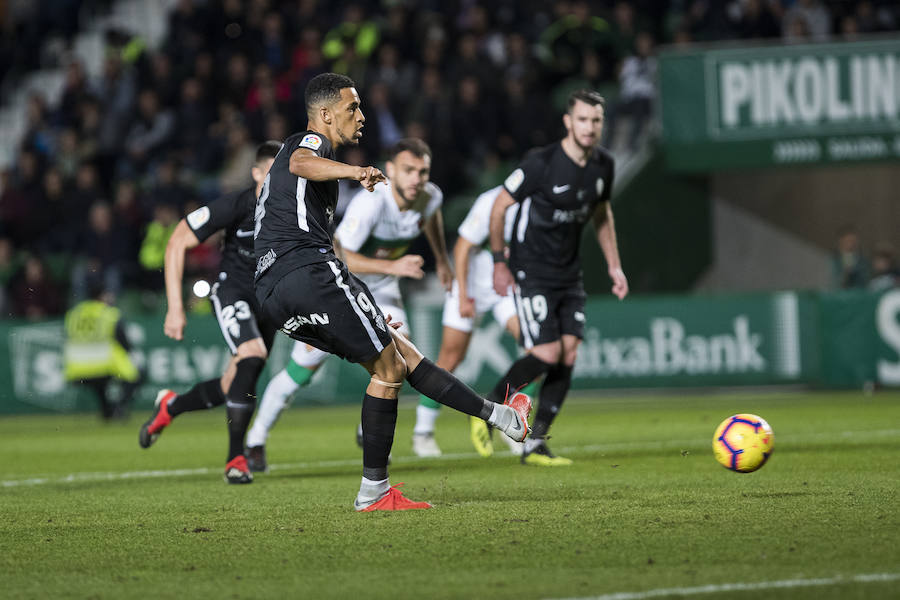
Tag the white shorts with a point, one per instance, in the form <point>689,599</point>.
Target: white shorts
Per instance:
<point>481,288</point>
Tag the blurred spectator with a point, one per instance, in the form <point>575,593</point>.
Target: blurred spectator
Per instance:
<point>34,294</point>
<point>351,42</point>
<point>578,32</point>
<point>240,153</point>
<point>100,253</point>
<point>75,91</point>
<point>11,261</point>
<point>885,270</point>
<point>153,247</point>
<point>167,188</point>
<point>150,133</point>
<point>193,118</point>
<point>756,19</point>
<point>850,269</point>
<point>38,135</point>
<point>637,94</point>
<point>809,16</point>
<point>381,128</point>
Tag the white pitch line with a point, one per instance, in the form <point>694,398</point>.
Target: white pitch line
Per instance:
<point>744,587</point>
<point>590,448</point>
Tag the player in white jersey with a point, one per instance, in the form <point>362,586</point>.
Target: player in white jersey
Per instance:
<point>375,233</point>
<point>471,297</point>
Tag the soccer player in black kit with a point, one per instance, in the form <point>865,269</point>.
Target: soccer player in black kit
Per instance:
<point>560,188</point>
<point>237,311</point>
<point>305,289</point>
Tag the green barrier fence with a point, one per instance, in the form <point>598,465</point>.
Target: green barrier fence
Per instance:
<point>843,339</point>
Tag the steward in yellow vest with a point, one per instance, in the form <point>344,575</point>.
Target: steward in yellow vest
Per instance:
<point>96,351</point>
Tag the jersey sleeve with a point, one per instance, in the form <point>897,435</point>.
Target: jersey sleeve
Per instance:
<point>359,220</point>
<point>310,140</point>
<point>434,202</point>
<point>219,214</point>
<point>526,178</point>
<point>475,228</point>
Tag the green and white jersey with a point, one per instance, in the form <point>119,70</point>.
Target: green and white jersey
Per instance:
<point>375,227</point>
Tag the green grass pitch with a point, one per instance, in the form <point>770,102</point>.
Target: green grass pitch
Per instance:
<point>86,513</point>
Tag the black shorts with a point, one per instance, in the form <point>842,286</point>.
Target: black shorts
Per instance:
<point>324,305</point>
<point>547,312</point>
<point>238,313</point>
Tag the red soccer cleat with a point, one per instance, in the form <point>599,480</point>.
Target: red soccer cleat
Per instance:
<point>237,471</point>
<point>158,421</point>
<point>394,500</point>
<point>518,428</point>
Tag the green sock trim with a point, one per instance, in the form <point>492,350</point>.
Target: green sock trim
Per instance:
<point>301,375</point>
<point>530,389</point>
<point>428,402</point>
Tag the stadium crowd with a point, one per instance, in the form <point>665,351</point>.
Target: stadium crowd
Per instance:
<point>102,177</point>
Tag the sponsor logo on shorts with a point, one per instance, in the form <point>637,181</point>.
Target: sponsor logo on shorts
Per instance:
<point>265,261</point>
<point>242,233</point>
<point>600,185</point>
<point>559,189</point>
<point>294,323</point>
<point>579,316</point>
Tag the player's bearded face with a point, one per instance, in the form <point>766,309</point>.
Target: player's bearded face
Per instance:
<point>585,124</point>
<point>409,174</point>
<point>349,118</point>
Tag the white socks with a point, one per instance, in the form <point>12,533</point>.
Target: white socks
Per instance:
<point>370,491</point>
<point>425,418</point>
<point>274,401</point>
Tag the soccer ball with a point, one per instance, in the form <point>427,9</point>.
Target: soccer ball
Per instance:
<point>743,443</point>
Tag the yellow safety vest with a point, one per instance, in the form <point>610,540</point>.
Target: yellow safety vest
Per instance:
<point>91,349</point>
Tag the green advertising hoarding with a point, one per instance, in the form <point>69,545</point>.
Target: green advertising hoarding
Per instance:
<point>781,105</point>
<point>835,340</point>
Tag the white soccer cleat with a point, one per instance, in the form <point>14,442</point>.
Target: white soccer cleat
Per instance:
<point>511,417</point>
<point>425,446</point>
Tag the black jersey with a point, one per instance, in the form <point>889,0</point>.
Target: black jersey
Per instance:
<point>557,197</point>
<point>234,214</point>
<point>293,215</point>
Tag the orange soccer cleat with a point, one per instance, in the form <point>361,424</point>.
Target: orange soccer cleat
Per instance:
<point>393,500</point>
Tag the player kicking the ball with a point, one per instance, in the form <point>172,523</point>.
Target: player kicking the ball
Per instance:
<point>376,232</point>
<point>237,311</point>
<point>307,290</point>
<point>559,189</point>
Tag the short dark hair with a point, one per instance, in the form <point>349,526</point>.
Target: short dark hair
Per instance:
<point>325,88</point>
<point>587,96</point>
<point>267,149</point>
<point>416,146</point>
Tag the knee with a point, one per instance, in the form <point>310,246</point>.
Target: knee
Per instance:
<point>392,369</point>
<point>549,353</point>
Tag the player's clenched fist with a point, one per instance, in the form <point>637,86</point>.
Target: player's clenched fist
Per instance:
<point>369,176</point>
<point>174,324</point>
<point>409,266</point>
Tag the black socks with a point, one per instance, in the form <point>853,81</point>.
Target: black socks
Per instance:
<point>553,393</point>
<point>206,394</point>
<point>241,402</point>
<point>441,386</point>
<point>522,372</point>
<point>379,417</point>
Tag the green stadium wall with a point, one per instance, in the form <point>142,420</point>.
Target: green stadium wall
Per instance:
<point>839,340</point>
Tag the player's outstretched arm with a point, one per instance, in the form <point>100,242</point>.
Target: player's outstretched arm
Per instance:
<point>503,279</point>
<point>307,164</point>
<point>408,265</point>
<point>182,240</point>
<point>461,251</point>
<point>605,226</point>
<point>434,232</point>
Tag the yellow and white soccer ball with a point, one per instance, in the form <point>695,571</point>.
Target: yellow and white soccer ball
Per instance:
<point>743,443</point>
